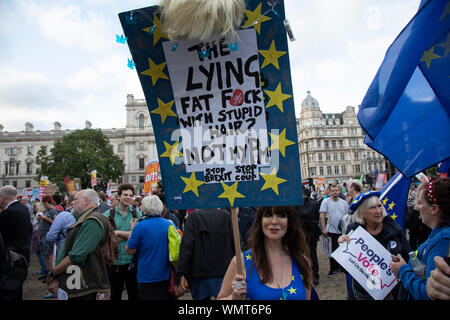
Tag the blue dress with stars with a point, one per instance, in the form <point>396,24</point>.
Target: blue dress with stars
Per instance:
<point>256,290</point>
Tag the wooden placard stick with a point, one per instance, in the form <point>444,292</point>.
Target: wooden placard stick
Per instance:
<point>236,238</point>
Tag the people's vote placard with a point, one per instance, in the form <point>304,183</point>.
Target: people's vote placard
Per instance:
<point>367,261</point>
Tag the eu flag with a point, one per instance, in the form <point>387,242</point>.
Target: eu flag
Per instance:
<point>394,195</point>
<point>405,112</point>
<point>444,169</point>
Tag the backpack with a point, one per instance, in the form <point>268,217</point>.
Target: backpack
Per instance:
<point>112,215</point>
<point>109,245</point>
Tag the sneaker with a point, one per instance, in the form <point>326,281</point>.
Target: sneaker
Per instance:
<point>332,273</point>
<point>49,296</point>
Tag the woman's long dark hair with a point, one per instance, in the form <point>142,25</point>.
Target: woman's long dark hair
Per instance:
<point>294,243</point>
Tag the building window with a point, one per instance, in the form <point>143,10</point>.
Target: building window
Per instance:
<point>44,149</point>
<point>327,157</point>
<point>321,171</point>
<point>356,155</point>
<point>329,170</point>
<point>336,169</point>
<point>120,147</point>
<point>341,144</point>
<point>342,156</point>
<point>30,150</point>
<point>333,144</point>
<point>140,146</point>
<point>27,183</point>
<point>344,169</point>
<point>326,144</point>
<point>14,183</point>
<point>357,168</point>
<point>141,121</point>
<point>141,179</point>
<point>320,157</point>
<point>13,151</point>
<point>6,168</point>
<point>318,143</point>
<point>335,156</point>
<point>141,163</point>
<point>29,168</point>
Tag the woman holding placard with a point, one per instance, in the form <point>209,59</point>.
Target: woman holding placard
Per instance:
<point>278,264</point>
<point>434,206</point>
<point>369,213</point>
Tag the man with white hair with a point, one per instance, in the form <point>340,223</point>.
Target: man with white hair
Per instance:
<point>15,229</point>
<point>80,266</point>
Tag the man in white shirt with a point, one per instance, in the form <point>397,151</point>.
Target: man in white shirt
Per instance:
<point>333,209</point>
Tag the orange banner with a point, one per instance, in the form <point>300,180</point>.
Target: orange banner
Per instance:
<point>151,175</point>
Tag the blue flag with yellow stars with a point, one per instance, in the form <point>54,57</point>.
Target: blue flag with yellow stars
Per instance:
<point>405,112</point>
<point>222,111</point>
<point>394,195</point>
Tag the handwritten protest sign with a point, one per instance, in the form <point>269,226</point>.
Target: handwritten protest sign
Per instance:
<point>222,111</point>
<point>367,261</point>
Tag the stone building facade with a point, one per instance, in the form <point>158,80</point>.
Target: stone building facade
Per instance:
<point>134,144</point>
<point>332,145</point>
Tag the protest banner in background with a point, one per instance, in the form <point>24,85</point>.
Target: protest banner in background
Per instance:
<point>51,189</point>
<point>151,175</point>
<point>222,112</point>
<point>367,261</point>
<point>43,182</point>
<point>77,182</point>
<point>93,178</point>
<point>380,180</point>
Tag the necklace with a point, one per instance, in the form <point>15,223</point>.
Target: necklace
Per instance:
<point>281,285</point>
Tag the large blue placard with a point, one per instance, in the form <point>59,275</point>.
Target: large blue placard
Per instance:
<point>222,111</point>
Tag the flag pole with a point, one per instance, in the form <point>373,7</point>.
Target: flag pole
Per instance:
<point>400,176</point>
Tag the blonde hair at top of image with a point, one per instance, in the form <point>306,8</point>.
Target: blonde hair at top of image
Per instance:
<point>358,214</point>
<point>201,19</point>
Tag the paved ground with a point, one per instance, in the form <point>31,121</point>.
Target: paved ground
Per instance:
<point>328,289</point>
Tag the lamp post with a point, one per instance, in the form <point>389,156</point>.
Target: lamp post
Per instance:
<point>365,166</point>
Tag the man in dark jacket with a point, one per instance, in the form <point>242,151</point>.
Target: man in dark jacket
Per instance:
<point>207,248</point>
<point>309,215</point>
<point>16,229</point>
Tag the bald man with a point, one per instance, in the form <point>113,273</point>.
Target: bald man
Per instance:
<point>80,267</point>
<point>16,229</point>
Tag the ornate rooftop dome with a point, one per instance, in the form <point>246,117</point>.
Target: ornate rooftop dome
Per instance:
<point>309,101</point>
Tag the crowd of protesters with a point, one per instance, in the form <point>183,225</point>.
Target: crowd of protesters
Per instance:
<point>162,253</point>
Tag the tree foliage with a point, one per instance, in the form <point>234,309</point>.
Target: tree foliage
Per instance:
<point>76,155</point>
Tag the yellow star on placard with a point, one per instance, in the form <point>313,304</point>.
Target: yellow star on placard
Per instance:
<point>394,216</point>
<point>171,152</point>
<point>164,109</point>
<point>292,290</point>
<point>192,184</point>
<point>271,56</point>
<point>385,201</point>
<point>272,181</point>
<point>248,257</point>
<point>293,278</point>
<point>254,18</point>
<point>155,71</point>
<point>277,97</point>
<point>230,192</point>
<point>280,142</point>
<point>428,56</point>
<point>157,30</point>
<point>391,205</point>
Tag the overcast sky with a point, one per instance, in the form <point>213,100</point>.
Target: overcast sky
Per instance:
<point>60,60</point>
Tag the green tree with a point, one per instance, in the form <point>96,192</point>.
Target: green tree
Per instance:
<point>76,155</point>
